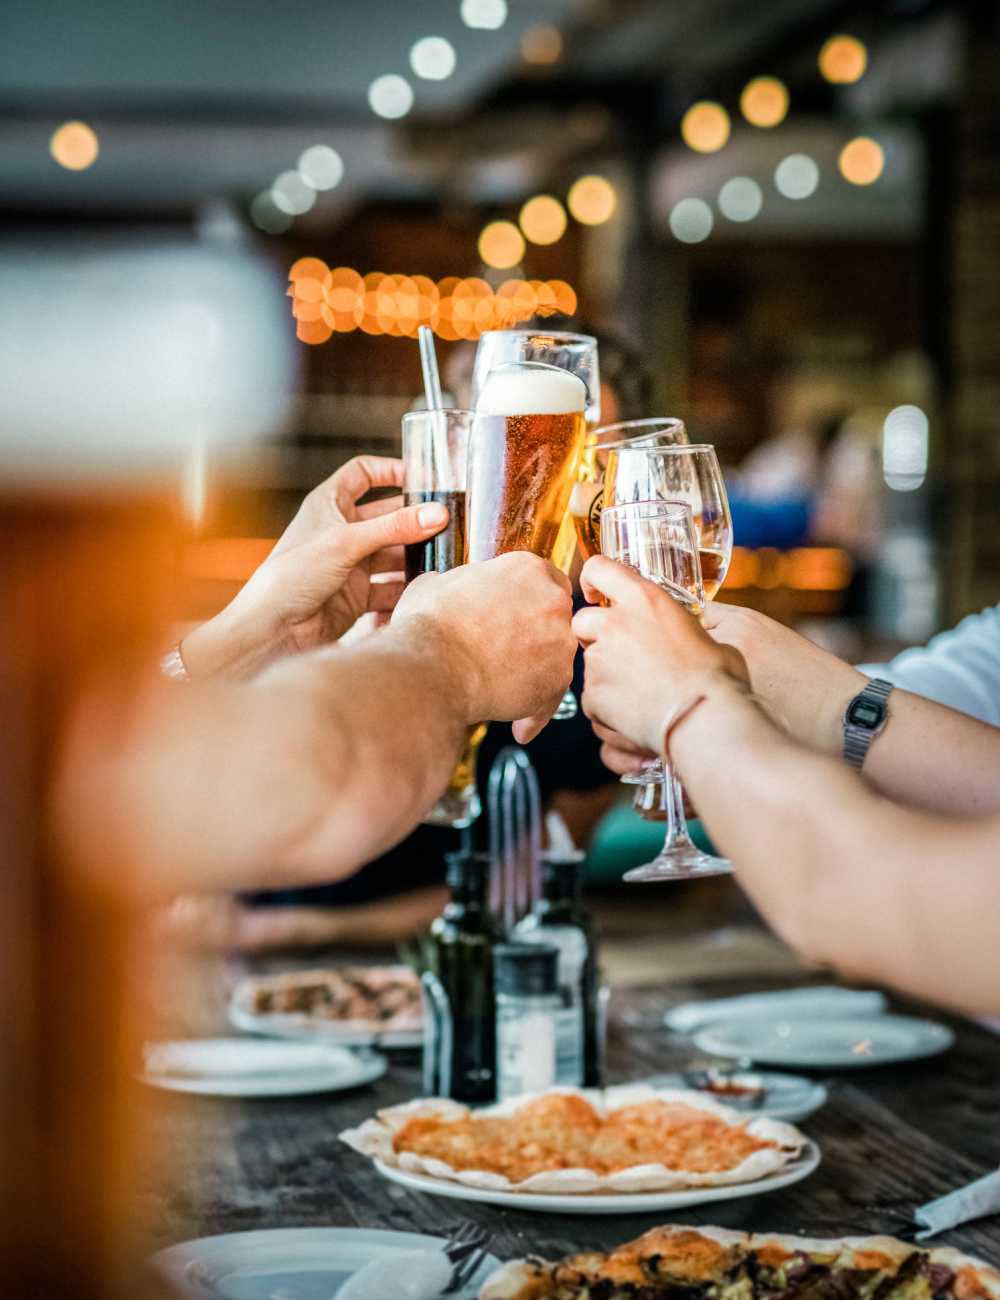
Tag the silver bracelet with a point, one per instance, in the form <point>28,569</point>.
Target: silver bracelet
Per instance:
<point>172,665</point>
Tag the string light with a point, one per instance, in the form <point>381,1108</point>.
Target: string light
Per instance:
<point>796,176</point>
<point>327,301</point>
<point>764,101</point>
<point>843,60</point>
<point>541,44</point>
<point>267,217</point>
<point>592,200</point>
<point>390,96</point>
<point>292,193</point>
<point>433,58</point>
<point>488,15</point>
<point>740,199</point>
<point>74,146</point>
<point>501,244</point>
<point>321,167</point>
<point>861,161</point>
<point>705,127</point>
<point>691,220</point>
<point>543,219</point>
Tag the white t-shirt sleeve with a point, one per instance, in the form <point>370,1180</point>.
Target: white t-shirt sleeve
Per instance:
<point>959,668</point>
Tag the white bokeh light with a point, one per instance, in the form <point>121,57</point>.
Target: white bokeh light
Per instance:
<point>691,220</point>
<point>433,58</point>
<point>904,448</point>
<point>486,14</point>
<point>266,216</point>
<point>390,96</point>
<point>321,167</point>
<point>292,194</point>
<point>740,199</point>
<point>796,176</point>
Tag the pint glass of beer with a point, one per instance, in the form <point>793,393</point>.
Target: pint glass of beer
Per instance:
<point>435,453</point>
<point>527,437</point>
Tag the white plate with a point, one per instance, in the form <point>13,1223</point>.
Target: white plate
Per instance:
<point>288,1263</point>
<point>786,1096</point>
<point>608,1203</point>
<point>844,1041</point>
<point>344,1032</point>
<point>346,1070</point>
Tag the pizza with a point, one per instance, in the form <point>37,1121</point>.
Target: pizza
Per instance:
<point>678,1263</point>
<point>630,1139</point>
<point>375,997</point>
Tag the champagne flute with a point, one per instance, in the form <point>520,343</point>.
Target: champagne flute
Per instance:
<point>576,353</point>
<point>658,539</point>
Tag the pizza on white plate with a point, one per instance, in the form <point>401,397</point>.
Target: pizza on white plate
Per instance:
<point>679,1263</point>
<point>373,997</point>
<point>628,1139</point>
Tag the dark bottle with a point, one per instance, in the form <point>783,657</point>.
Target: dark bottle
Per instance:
<point>559,918</point>
<point>445,550</point>
<point>462,942</point>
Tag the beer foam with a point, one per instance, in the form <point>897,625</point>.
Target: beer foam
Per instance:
<point>531,390</point>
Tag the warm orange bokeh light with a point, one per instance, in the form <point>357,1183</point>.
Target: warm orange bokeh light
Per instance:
<point>705,126</point>
<point>764,101</point>
<point>843,60</point>
<point>543,219</point>
<point>541,44</point>
<point>592,200</point>
<point>861,161</point>
<point>74,146</point>
<point>565,297</point>
<point>308,268</point>
<point>501,245</point>
<point>313,331</point>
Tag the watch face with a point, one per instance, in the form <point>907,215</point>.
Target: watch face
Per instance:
<point>866,713</point>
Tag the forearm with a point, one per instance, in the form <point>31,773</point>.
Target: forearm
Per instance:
<point>877,891</point>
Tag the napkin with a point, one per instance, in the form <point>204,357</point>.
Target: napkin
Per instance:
<point>198,1058</point>
<point>785,1004</point>
<point>415,1275</point>
<point>970,1202</point>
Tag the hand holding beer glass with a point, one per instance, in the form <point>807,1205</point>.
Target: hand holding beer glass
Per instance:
<point>435,455</point>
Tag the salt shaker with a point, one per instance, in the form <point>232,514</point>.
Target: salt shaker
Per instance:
<point>528,1006</point>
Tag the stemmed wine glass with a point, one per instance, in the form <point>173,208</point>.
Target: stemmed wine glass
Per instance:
<point>658,539</point>
<point>691,474</point>
<point>576,353</point>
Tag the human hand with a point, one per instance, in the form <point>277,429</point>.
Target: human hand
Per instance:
<point>508,622</point>
<point>803,686</point>
<point>645,656</point>
<point>318,580</point>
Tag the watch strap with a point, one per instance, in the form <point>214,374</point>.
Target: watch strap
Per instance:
<point>858,739</point>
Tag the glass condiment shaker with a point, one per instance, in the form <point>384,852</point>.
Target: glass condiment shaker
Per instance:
<point>526,977</point>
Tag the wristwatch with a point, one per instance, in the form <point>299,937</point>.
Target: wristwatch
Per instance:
<point>864,719</point>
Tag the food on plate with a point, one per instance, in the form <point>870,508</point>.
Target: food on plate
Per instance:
<point>679,1263</point>
<point>386,996</point>
<point>625,1139</point>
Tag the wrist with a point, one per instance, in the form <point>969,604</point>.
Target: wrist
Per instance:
<point>236,644</point>
<point>443,655</point>
<point>717,705</point>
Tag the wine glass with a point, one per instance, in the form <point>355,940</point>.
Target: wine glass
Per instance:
<point>691,473</point>
<point>576,353</point>
<point>658,539</point>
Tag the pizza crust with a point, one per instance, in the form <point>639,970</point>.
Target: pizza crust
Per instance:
<point>375,1136</point>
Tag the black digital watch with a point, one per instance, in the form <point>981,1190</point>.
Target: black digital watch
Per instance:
<point>864,719</point>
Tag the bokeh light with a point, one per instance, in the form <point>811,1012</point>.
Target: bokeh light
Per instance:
<point>267,216</point>
<point>543,219</point>
<point>705,126</point>
<point>843,60</point>
<point>691,221</point>
<point>541,44</point>
<point>501,244</point>
<point>487,15</point>
<point>740,199</point>
<point>904,448</point>
<point>292,194</point>
<point>433,58</point>
<point>390,96</point>
<point>764,101</point>
<point>592,200</point>
<point>74,146</point>
<point>321,167</point>
<point>861,161</point>
<point>797,176</point>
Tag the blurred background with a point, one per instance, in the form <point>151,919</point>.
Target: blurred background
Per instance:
<point>787,215</point>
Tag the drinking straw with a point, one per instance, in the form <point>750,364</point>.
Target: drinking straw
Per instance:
<point>429,365</point>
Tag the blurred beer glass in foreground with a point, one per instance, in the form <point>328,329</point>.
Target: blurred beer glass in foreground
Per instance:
<point>576,353</point>
<point>435,454</point>
<point>118,371</point>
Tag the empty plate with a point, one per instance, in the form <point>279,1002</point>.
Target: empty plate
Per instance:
<point>241,1067</point>
<point>843,1041</point>
<point>289,1263</point>
<point>785,1096</point>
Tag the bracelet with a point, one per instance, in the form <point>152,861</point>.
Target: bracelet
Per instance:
<point>673,720</point>
<point>172,665</point>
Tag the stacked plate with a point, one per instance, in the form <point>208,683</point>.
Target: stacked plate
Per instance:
<point>241,1067</point>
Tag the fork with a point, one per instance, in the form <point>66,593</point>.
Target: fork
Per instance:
<point>466,1249</point>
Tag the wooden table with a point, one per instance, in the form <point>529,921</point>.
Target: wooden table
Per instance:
<point>892,1138</point>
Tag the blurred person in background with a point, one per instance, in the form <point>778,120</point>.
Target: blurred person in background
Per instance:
<point>899,895</point>
<point>398,893</point>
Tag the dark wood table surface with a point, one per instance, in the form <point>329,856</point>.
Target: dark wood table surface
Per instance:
<point>892,1138</point>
